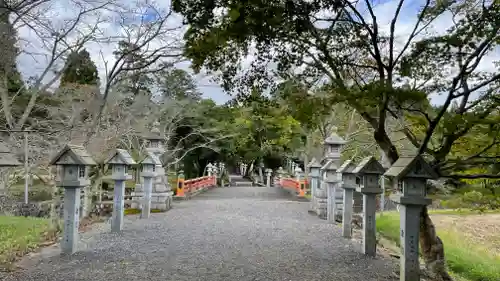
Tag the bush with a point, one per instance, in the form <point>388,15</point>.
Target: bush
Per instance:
<point>474,200</point>
<point>454,203</point>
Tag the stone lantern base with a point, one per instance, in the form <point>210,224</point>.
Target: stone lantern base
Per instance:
<point>161,197</point>
<point>321,201</point>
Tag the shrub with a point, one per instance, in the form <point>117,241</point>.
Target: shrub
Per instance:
<point>454,203</point>
<point>474,200</point>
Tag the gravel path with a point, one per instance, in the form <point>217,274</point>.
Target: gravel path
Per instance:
<point>234,234</point>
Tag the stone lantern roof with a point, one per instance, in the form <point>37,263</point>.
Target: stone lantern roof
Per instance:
<point>411,166</point>
<point>347,168</point>
<point>120,156</point>
<point>73,155</point>
<point>369,165</point>
<point>314,164</point>
<point>334,138</point>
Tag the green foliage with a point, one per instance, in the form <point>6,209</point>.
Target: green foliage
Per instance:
<point>174,83</point>
<point>307,108</point>
<point>473,200</point>
<point>132,77</point>
<point>80,69</point>
<point>264,128</point>
<point>19,235</point>
<point>357,65</point>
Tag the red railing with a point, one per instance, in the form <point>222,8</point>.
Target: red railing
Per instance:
<point>187,187</point>
<point>293,185</point>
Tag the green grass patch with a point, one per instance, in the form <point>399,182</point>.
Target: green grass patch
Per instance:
<point>138,211</point>
<point>131,211</point>
<point>20,235</point>
<point>464,258</point>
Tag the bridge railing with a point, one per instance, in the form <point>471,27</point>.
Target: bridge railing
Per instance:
<point>188,188</point>
<point>297,187</point>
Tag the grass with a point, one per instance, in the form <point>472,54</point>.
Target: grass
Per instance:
<point>468,256</point>
<point>138,211</point>
<point>20,235</point>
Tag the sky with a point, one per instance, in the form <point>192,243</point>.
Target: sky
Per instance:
<point>32,61</point>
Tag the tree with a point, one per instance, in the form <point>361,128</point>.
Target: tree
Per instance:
<point>365,67</point>
<point>80,69</point>
<point>175,83</point>
<point>135,80</point>
<point>53,44</point>
<point>264,129</point>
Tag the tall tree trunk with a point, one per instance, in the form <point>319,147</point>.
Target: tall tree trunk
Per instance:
<point>432,248</point>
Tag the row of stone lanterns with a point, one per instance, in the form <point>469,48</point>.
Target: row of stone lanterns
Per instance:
<point>74,162</point>
<point>334,186</point>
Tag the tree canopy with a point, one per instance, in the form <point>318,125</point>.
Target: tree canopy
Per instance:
<point>80,69</point>
<point>350,57</point>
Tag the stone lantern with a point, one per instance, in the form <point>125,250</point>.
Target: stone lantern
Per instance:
<point>161,191</point>
<point>155,141</point>
<point>331,162</point>
<point>210,169</point>
<point>333,146</point>
<point>222,173</point>
<point>314,167</point>
<point>74,161</point>
<point>269,172</point>
<point>148,172</point>
<point>349,187</point>
<point>298,172</point>
<point>331,180</point>
<point>369,170</point>
<point>280,174</point>
<point>119,161</point>
<point>410,174</point>
<point>244,166</point>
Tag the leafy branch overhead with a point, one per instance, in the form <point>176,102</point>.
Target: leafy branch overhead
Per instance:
<point>343,49</point>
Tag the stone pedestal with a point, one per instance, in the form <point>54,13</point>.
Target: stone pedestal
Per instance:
<point>369,224</point>
<point>409,212</point>
<point>118,206</point>
<point>146,205</point>
<point>347,210</point>
<point>321,201</point>
<point>330,213</point>
<point>161,195</point>
<point>338,202</point>
<point>314,187</point>
<point>70,238</point>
